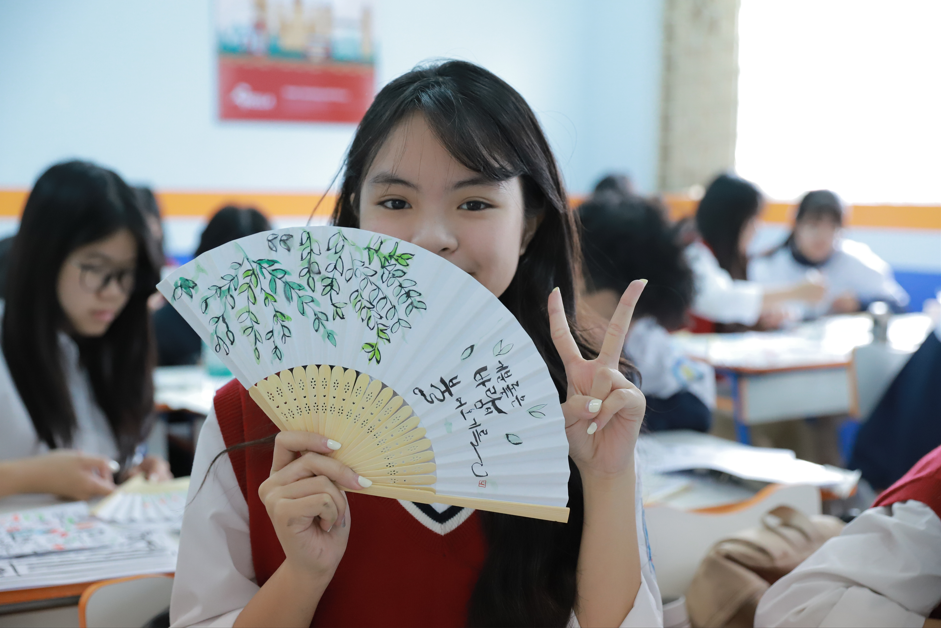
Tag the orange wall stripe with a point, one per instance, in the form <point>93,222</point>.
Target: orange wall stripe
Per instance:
<point>891,216</point>
<point>202,204</point>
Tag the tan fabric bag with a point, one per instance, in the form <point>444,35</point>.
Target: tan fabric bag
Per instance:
<point>737,571</point>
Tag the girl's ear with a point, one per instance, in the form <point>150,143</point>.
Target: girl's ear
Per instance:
<point>530,227</point>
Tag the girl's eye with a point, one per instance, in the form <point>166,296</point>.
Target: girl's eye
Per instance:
<point>475,206</point>
<point>395,203</point>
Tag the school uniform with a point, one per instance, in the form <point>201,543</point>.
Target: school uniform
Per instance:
<point>93,434</point>
<point>680,392</point>
<point>719,298</point>
<point>884,569</point>
<point>405,564</point>
<point>852,269</point>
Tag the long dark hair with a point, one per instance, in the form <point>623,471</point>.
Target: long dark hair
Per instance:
<point>231,223</point>
<point>74,204</point>
<point>529,577</point>
<point>628,238</point>
<point>728,204</point>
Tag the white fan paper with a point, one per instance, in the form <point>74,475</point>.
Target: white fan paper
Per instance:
<point>337,297</point>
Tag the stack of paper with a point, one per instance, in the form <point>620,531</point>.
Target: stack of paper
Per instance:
<point>667,452</point>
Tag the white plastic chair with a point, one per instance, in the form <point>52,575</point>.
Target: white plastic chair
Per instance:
<point>124,602</point>
<point>680,539</point>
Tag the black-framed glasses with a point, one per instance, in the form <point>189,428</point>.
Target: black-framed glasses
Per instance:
<point>97,278</point>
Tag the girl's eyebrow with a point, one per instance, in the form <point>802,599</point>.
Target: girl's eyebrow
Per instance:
<point>95,256</point>
<point>387,178</point>
<point>474,181</point>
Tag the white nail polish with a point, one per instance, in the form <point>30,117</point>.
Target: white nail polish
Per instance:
<point>365,482</point>
<point>592,428</point>
<point>594,405</point>
<point>114,466</point>
<point>332,444</point>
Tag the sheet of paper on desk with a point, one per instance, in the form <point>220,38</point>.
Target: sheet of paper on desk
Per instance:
<point>60,528</point>
<point>683,451</point>
<point>31,560</point>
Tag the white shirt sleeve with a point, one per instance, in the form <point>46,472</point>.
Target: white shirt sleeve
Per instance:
<point>648,607</point>
<point>215,576</point>
<point>884,569</point>
<point>718,297</point>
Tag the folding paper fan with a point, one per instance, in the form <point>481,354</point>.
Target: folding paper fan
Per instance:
<point>139,501</point>
<point>430,384</point>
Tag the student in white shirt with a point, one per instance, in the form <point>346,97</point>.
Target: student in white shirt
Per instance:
<point>853,274</point>
<point>884,569</point>
<point>726,220</point>
<point>625,238</point>
<point>77,352</point>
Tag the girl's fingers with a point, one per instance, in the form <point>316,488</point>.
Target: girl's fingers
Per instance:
<point>300,512</point>
<point>580,408</point>
<point>311,464</point>
<point>629,402</point>
<point>287,445</point>
<point>616,333</point>
<point>559,328</point>
<point>307,487</point>
<point>604,381</point>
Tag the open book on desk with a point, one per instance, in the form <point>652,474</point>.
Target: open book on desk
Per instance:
<point>668,452</point>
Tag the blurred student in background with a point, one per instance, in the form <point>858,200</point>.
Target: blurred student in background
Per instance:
<point>625,238</point>
<point>853,274</point>
<point>727,220</point>
<point>76,383</point>
<point>615,183</point>
<point>177,343</point>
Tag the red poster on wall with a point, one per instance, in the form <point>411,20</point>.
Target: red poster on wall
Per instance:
<point>297,60</point>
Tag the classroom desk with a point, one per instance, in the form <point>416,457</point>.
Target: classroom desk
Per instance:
<point>800,373</point>
<point>188,388</point>
<point>53,606</point>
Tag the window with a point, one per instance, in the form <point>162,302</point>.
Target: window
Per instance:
<point>841,94</point>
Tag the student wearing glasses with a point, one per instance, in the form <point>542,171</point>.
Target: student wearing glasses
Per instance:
<point>76,367</point>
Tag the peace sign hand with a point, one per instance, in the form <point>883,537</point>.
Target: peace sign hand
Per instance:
<point>603,410</point>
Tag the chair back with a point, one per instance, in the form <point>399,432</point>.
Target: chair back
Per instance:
<point>124,602</point>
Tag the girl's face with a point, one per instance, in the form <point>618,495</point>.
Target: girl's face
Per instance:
<point>748,234</point>
<point>96,281</point>
<point>417,192</point>
<point>814,238</point>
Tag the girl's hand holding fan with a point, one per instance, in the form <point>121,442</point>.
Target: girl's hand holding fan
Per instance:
<point>305,502</point>
<point>603,411</point>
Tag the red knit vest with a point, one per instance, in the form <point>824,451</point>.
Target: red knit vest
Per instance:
<point>922,484</point>
<point>395,572</point>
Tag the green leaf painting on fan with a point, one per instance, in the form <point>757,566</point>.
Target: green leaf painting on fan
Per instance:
<point>342,278</point>
<point>433,387</point>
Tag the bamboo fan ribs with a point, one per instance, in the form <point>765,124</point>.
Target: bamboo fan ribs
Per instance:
<point>431,386</point>
<point>382,438</point>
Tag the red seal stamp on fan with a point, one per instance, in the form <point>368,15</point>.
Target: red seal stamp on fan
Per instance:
<point>482,484</point>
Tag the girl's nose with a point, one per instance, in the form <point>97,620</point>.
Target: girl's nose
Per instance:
<point>435,234</point>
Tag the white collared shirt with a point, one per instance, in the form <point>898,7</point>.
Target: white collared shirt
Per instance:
<point>92,435</point>
<point>215,576</point>
<point>852,269</point>
<point>718,297</point>
<point>884,569</point>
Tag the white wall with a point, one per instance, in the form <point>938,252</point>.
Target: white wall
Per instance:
<point>132,85</point>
